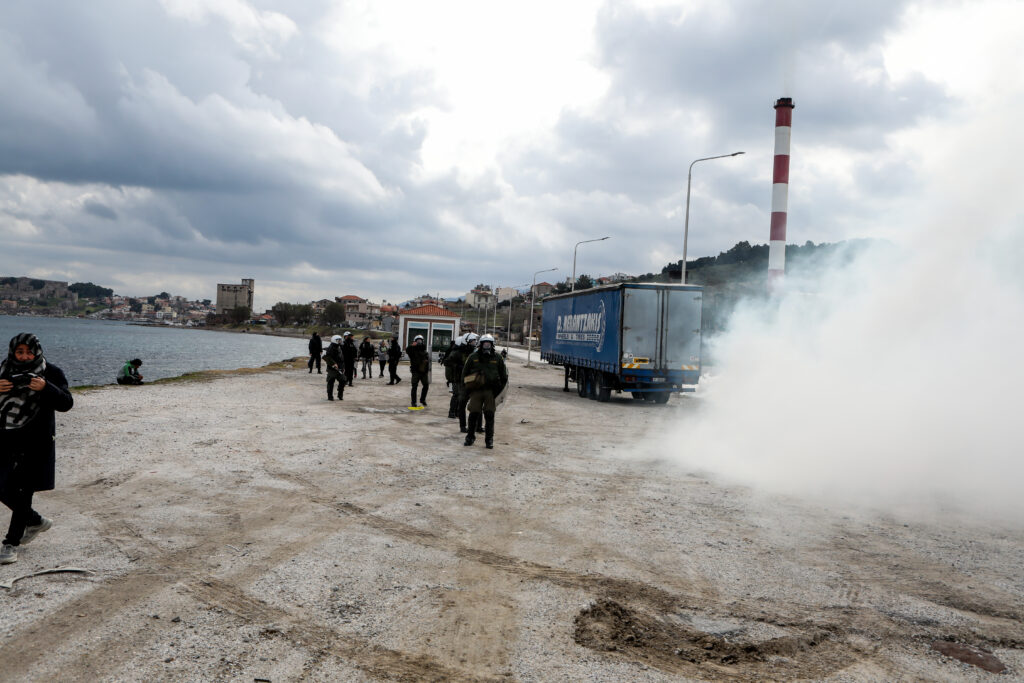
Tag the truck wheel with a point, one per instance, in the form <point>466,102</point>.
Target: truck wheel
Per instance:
<point>591,384</point>
<point>638,395</point>
<point>662,397</point>
<point>602,389</point>
<point>581,382</point>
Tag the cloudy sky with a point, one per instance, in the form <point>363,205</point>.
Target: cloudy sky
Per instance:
<point>391,148</point>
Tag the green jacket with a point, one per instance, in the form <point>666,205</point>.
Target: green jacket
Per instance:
<point>419,358</point>
<point>492,367</point>
<point>334,357</point>
<point>128,370</point>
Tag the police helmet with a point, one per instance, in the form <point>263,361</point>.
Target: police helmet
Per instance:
<point>471,338</point>
<point>486,338</point>
<point>336,339</point>
<point>418,337</point>
<point>348,334</point>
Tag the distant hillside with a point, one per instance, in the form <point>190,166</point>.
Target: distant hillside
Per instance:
<point>742,272</point>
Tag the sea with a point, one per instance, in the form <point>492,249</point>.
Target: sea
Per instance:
<point>93,351</point>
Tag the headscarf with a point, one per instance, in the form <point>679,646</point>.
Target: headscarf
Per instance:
<point>19,405</point>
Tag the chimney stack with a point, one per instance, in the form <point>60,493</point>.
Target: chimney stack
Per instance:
<point>780,189</point>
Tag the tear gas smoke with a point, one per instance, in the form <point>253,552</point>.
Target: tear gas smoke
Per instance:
<point>891,381</point>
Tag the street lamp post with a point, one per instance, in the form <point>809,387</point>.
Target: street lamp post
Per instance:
<point>686,224</point>
<point>494,313</point>
<point>599,239</point>
<point>508,331</point>
<point>533,296</point>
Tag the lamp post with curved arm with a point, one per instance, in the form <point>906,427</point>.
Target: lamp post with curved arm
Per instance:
<point>686,225</point>
<point>533,296</point>
<point>599,239</point>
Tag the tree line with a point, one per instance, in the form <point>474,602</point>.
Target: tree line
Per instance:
<point>286,313</point>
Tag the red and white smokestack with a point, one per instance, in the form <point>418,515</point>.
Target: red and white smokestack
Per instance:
<point>780,188</point>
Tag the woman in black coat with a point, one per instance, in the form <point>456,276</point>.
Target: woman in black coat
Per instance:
<point>31,390</point>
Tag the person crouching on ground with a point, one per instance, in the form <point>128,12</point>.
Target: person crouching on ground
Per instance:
<point>335,360</point>
<point>419,364</point>
<point>484,377</point>
<point>130,372</point>
<point>30,391</point>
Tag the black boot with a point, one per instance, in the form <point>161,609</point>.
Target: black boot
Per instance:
<point>453,406</point>
<point>489,429</point>
<point>474,420</point>
<point>462,423</point>
<point>412,396</point>
<point>423,395</point>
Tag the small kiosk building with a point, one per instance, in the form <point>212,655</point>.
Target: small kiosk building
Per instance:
<point>437,325</point>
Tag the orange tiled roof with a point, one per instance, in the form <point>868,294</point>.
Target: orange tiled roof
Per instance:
<point>430,310</point>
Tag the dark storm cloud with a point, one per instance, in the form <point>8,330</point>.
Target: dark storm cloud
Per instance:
<point>248,156</point>
<point>131,133</point>
<point>122,94</point>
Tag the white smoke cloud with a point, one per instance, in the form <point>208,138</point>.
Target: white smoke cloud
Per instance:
<point>895,383</point>
<point>894,380</point>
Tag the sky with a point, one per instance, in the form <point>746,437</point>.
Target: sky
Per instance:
<point>390,149</point>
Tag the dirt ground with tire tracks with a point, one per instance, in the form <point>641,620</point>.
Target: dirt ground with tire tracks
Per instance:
<point>243,528</point>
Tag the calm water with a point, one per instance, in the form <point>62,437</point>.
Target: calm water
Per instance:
<point>92,351</point>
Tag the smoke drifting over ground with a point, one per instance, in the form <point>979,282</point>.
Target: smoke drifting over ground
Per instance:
<point>893,380</point>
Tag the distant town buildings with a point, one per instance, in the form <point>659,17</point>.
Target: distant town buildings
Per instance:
<point>25,292</point>
<point>319,306</point>
<point>506,293</point>
<point>480,297</point>
<point>230,297</point>
<point>542,289</point>
<point>359,312</point>
<point>425,300</point>
<point>612,279</point>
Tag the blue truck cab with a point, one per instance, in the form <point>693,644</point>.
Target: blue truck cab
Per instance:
<point>643,338</point>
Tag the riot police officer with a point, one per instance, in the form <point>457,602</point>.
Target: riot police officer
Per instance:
<point>484,376</point>
<point>453,364</point>
<point>419,364</point>
<point>335,368</point>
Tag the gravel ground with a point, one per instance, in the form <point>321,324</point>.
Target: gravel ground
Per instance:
<point>246,529</point>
